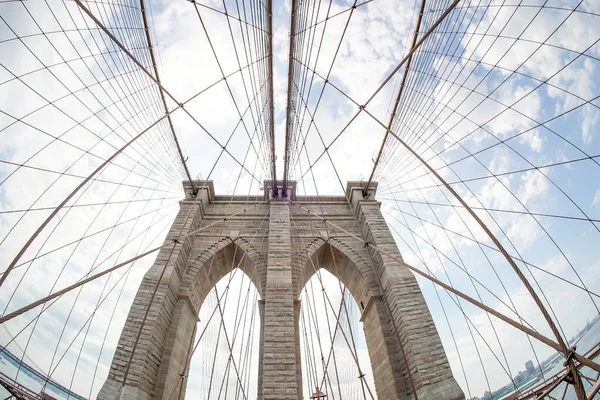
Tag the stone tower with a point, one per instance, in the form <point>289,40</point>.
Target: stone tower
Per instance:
<point>403,344</point>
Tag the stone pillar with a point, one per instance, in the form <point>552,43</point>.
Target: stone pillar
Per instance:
<point>279,350</point>
<point>175,356</point>
<point>386,363</point>
<point>146,372</point>
<point>261,340</point>
<point>422,346</point>
<point>297,305</point>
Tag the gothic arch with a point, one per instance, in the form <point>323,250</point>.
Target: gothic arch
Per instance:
<point>202,274</point>
<point>341,262</point>
<point>351,269</point>
<point>161,356</point>
<point>205,270</point>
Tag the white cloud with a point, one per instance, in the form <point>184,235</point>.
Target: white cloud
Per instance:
<point>464,97</point>
<point>596,200</point>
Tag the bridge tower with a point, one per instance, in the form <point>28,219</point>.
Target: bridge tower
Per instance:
<point>404,347</point>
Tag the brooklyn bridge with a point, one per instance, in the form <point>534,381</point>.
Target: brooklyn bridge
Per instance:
<point>299,199</point>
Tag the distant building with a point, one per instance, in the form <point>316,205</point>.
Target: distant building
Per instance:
<point>530,368</point>
<point>521,376</point>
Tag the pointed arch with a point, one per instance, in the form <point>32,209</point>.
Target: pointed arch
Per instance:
<point>212,264</point>
<point>204,271</point>
<point>227,338</point>
<point>342,262</point>
<point>348,265</point>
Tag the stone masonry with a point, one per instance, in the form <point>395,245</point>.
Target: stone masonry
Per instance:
<point>279,246</point>
<point>279,349</point>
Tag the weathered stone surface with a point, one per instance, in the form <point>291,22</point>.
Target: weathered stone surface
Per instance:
<point>279,347</point>
<point>280,246</point>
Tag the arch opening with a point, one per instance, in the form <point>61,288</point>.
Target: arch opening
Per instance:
<point>349,278</point>
<point>211,347</point>
<point>225,361</point>
<point>334,353</point>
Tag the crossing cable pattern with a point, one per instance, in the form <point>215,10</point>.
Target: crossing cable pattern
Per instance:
<point>477,118</point>
<point>106,174</point>
<point>481,128</point>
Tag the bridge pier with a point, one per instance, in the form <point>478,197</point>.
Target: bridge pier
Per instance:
<point>279,349</point>
<point>405,350</point>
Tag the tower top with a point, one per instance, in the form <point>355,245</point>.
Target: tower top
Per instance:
<point>355,192</point>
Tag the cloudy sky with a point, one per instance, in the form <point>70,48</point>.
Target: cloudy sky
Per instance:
<point>501,100</point>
